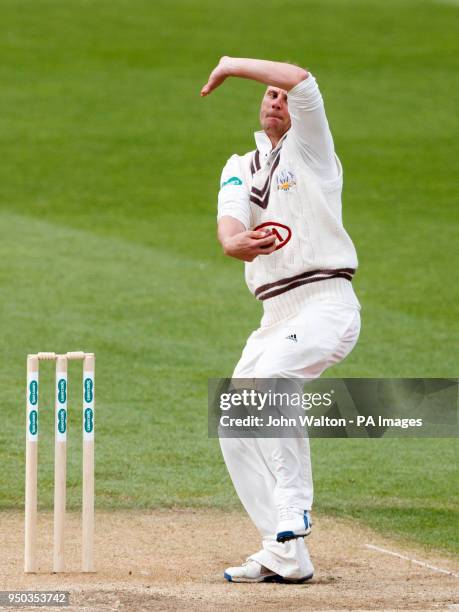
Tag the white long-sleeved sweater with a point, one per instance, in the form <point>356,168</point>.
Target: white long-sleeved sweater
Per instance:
<point>294,190</point>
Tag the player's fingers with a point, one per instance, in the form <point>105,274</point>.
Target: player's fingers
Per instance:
<point>257,234</point>
<point>266,241</point>
<point>208,87</point>
<point>216,78</point>
<point>267,249</point>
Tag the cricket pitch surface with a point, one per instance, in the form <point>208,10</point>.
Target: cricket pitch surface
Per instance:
<point>174,560</point>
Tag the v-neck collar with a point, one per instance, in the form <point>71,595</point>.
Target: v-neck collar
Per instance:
<point>264,144</point>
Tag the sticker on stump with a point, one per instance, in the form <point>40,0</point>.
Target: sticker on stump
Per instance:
<point>88,390</point>
<point>88,412</point>
<point>62,391</point>
<point>88,420</point>
<point>61,409</point>
<point>32,409</point>
<point>33,392</point>
<point>62,421</point>
<point>33,422</point>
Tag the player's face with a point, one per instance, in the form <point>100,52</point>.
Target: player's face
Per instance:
<point>274,115</point>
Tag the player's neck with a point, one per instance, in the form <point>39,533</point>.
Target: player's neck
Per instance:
<point>274,138</point>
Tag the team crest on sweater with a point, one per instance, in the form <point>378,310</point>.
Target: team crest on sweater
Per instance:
<point>286,180</point>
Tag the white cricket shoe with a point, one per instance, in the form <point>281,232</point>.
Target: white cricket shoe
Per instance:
<point>252,571</point>
<point>293,523</point>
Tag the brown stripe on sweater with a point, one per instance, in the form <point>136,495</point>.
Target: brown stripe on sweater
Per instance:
<point>262,198</point>
<point>262,192</point>
<point>257,160</point>
<point>298,283</point>
<point>349,272</point>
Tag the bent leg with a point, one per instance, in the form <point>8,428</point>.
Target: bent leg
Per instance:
<point>325,334</point>
<point>269,474</point>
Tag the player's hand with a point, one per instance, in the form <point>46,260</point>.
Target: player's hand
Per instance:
<point>217,76</point>
<point>248,245</point>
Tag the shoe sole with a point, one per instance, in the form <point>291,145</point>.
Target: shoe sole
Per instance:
<point>274,578</point>
<point>286,536</point>
<point>254,580</point>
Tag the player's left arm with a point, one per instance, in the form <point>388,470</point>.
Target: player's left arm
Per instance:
<point>279,74</point>
<point>306,107</point>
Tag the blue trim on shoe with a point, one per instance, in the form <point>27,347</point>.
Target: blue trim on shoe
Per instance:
<point>276,578</point>
<point>307,520</point>
<point>281,580</point>
<point>284,536</point>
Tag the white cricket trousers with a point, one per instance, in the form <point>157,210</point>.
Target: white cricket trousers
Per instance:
<point>270,474</point>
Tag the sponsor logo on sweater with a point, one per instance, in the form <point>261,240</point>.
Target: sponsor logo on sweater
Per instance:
<point>234,180</point>
<point>282,232</point>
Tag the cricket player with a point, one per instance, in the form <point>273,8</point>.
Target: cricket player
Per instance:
<point>279,211</point>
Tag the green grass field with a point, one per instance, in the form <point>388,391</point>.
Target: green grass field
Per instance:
<point>108,182</point>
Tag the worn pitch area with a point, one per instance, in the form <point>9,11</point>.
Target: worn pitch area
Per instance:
<point>174,559</point>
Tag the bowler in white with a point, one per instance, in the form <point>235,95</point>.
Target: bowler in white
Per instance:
<point>280,211</point>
